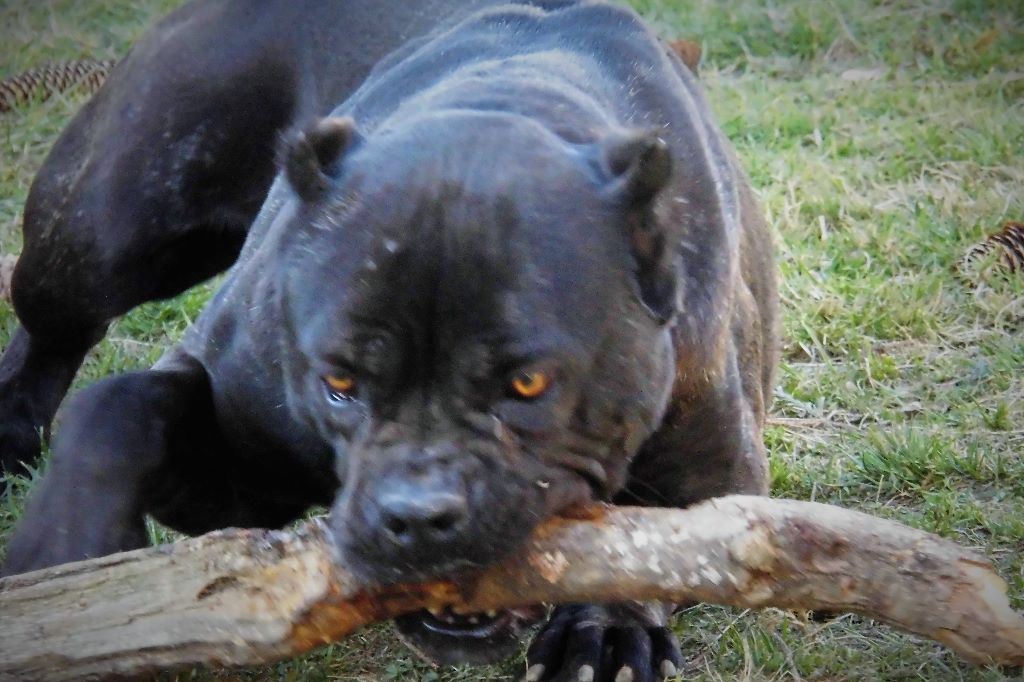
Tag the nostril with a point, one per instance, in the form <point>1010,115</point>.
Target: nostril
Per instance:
<point>396,526</point>
<point>445,521</point>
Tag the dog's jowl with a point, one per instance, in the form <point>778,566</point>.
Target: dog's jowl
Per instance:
<point>514,270</point>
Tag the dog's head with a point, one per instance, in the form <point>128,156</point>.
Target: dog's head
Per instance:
<point>475,316</point>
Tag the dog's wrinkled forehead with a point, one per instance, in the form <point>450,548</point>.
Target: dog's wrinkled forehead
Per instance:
<point>490,230</point>
<point>443,261</point>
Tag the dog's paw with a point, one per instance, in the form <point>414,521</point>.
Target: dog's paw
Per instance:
<point>620,643</point>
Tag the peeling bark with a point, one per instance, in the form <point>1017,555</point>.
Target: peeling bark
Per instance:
<point>243,597</point>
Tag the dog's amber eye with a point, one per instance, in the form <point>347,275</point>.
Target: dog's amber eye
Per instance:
<point>530,384</point>
<point>340,386</point>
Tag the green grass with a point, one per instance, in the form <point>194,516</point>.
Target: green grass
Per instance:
<point>885,138</point>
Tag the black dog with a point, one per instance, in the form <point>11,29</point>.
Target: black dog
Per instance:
<point>517,269</point>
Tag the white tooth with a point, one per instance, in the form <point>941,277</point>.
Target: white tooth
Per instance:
<point>492,614</point>
<point>534,674</point>
<point>474,620</point>
<point>434,611</point>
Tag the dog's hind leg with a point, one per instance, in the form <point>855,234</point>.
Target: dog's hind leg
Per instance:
<point>149,190</point>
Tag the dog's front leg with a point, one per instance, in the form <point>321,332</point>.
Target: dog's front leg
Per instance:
<point>629,642</point>
<point>114,443</point>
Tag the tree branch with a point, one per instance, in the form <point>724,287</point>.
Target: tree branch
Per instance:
<point>243,597</point>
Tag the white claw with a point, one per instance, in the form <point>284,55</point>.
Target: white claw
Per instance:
<point>585,674</point>
<point>625,674</point>
<point>434,611</point>
<point>534,673</point>
<point>492,614</point>
<point>668,669</point>
<point>474,620</point>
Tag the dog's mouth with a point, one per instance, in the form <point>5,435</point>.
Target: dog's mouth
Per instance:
<point>480,625</point>
<point>446,637</point>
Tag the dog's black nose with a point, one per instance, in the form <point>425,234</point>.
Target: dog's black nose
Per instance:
<point>421,514</point>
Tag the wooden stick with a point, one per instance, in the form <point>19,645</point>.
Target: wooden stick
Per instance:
<point>7,263</point>
<point>242,597</point>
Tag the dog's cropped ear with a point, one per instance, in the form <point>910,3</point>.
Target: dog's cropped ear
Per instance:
<point>639,166</point>
<point>639,163</point>
<point>311,157</point>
